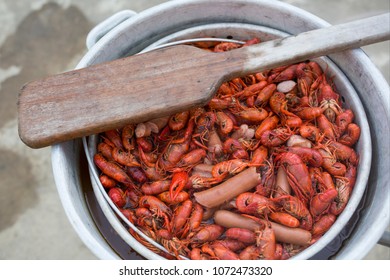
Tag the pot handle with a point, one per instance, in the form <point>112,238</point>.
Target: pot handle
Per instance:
<point>106,26</point>
<point>385,239</point>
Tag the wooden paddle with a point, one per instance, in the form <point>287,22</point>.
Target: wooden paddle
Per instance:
<point>165,81</point>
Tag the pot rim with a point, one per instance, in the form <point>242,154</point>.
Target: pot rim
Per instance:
<point>340,78</point>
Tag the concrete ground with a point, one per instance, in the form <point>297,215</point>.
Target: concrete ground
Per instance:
<point>41,37</point>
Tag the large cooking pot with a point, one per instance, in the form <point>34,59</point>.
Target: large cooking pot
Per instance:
<point>362,223</point>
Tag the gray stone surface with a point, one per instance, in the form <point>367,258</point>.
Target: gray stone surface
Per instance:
<point>41,37</point>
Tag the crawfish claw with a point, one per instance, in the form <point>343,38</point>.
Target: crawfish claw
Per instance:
<point>179,181</point>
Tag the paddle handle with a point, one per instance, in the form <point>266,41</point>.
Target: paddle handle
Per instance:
<point>137,88</point>
<point>314,43</point>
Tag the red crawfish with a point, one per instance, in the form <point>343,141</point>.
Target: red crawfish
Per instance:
<point>266,241</point>
<point>275,137</point>
<point>310,132</point>
<point>165,134</point>
<point>166,197</point>
<point>250,101</point>
<point>147,159</point>
<point>113,170</point>
<point>206,248</point>
<point>268,179</point>
<point>350,174</point>
<point>294,102</point>
<point>179,120</point>
<point>235,149</point>
<point>144,217</point>
<point>105,150</point>
<point>254,204</point>
<point>297,209</point>
<point>204,123</point>
<point>221,103</point>
<point>190,159</point>
<point>323,224</point>
<point>237,84</point>
<point>197,254</point>
<point>113,138</point>
<point>185,134</point>
<point>304,78</point>
<point>330,163</point>
<point>262,76</point>
<point>343,120</point>
<point>127,137</point>
<point>252,115</point>
<point>153,173</point>
<point>106,181</point>
<point>270,123</point>
<point>264,95</point>
<point>155,187</point>
<point>221,252</point>
<point>351,135</point>
<point>154,204</point>
<point>180,216</point>
<point>172,154</point>
<point>288,118</point>
<point>129,214</point>
<point>207,233</point>
<point>157,207</point>
<point>321,202</point>
<point>309,113</point>
<point>225,122</point>
<point>124,158</point>
<point>117,196</point>
<point>132,197</point>
<point>251,252</point>
<point>136,173</point>
<point>278,251</point>
<point>179,181</point>
<point>241,234</point>
<point>308,155</point>
<point>326,127</point>
<point>297,174</point>
<point>289,250</point>
<point>225,90</point>
<point>326,92</point>
<point>343,194</point>
<point>343,152</point>
<point>194,220</point>
<point>284,219</point>
<point>276,102</point>
<point>329,100</point>
<point>145,144</point>
<point>224,168</point>
<point>330,109</point>
<point>251,90</point>
<point>288,73</point>
<point>231,244</point>
<point>259,156</point>
<point>315,68</point>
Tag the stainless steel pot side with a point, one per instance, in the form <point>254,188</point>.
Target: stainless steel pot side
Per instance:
<point>131,33</point>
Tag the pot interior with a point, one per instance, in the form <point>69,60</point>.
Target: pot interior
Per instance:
<point>350,100</point>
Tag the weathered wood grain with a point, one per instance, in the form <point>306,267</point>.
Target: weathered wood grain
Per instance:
<point>142,87</point>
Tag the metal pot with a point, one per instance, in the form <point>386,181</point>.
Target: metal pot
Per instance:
<point>128,34</point>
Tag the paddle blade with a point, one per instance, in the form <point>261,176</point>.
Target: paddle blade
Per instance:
<point>107,96</point>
